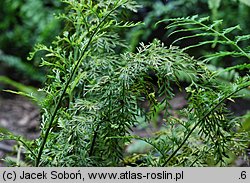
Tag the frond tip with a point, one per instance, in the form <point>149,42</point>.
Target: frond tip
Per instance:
<point>209,33</point>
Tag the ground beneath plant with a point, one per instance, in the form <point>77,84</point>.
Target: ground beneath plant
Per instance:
<point>21,116</point>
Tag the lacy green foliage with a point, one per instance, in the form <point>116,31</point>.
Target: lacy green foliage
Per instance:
<point>93,95</point>
<point>211,34</point>
<point>206,135</point>
<point>83,58</point>
<point>206,102</point>
<point>208,34</point>
<point>154,11</point>
<point>5,134</point>
<point>100,102</point>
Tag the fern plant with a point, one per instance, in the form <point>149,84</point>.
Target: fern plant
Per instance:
<point>213,93</point>
<point>94,90</point>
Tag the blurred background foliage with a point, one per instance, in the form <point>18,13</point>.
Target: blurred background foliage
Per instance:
<point>23,23</point>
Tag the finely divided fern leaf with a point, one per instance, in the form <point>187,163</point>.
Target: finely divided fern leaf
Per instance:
<point>201,27</point>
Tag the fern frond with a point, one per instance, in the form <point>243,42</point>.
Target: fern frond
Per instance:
<point>212,56</point>
<point>242,38</point>
<point>204,115</point>
<point>10,136</point>
<point>202,28</point>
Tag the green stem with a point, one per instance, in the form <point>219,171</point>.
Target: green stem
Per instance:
<point>199,122</point>
<point>25,145</point>
<point>226,38</point>
<point>66,86</point>
<point>94,140</point>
